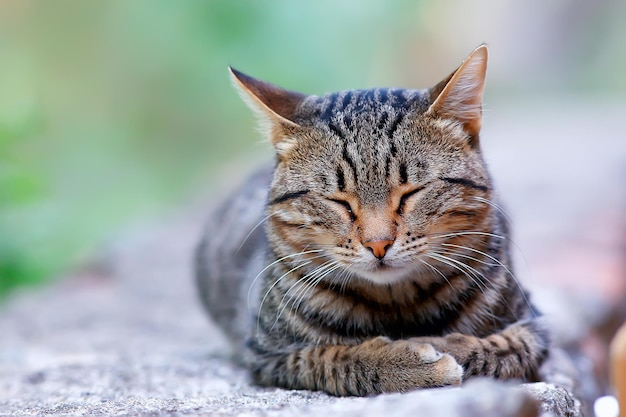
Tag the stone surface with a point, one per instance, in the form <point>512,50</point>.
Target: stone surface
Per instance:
<point>126,334</point>
<point>130,338</point>
<point>106,342</point>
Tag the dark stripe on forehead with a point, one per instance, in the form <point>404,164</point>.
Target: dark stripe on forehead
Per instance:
<point>394,149</point>
<point>346,156</point>
<point>335,129</point>
<point>339,101</point>
<point>377,97</point>
<point>394,125</point>
<point>341,180</point>
<point>404,176</point>
<point>387,166</point>
<point>347,122</point>
<point>386,95</point>
<point>347,99</point>
<point>328,109</point>
<point>363,100</point>
<point>382,120</point>
<point>398,97</point>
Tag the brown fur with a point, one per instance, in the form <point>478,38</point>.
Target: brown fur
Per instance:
<point>384,262</point>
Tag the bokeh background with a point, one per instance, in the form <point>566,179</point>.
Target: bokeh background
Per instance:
<point>115,112</point>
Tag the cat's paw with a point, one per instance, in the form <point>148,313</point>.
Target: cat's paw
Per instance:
<point>425,351</point>
<point>422,366</point>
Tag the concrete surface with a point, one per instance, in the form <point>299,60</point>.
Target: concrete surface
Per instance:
<point>126,334</point>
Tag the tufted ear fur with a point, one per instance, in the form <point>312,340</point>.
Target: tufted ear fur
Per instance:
<point>275,107</point>
<point>459,97</point>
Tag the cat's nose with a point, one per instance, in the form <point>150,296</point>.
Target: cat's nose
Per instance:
<point>378,247</point>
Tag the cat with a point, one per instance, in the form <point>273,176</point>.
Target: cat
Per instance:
<point>372,256</point>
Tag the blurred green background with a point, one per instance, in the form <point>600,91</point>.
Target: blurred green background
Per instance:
<point>116,111</point>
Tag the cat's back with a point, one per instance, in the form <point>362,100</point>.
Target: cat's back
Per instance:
<point>231,253</point>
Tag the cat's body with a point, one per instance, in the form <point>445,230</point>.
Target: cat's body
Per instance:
<point>373,256</point>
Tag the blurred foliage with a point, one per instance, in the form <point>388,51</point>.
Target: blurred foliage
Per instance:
<point>115,110</point>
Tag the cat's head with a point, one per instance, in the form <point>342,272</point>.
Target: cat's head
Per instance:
<point>375,181</point>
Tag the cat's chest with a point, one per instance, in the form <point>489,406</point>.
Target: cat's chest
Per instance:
<point>341,314</point>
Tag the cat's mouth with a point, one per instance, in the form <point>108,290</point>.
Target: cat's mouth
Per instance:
<point>382,266</point>
<point>384,273</point>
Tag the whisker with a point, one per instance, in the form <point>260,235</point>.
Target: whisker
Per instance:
<point>476,272</point>
<point>477,233</point>
<point>453,263</point>
<point>307,283</point>
<point>345,277</point>
<point>245,239</point>
<point>316,281</point>
<point>498,263</point>
<point>492,204</point>
<point>272,286</point>
<point>517,282</point>
<point>462,254</point>
<point>302,281</point>
<point>466,233</point>
<point>293,255</point>
<point>476,280</point>
<point>434,269</point>
<point>486,255</point>
<point>313,282</point>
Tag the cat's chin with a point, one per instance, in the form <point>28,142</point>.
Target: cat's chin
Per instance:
<point>385,275</point>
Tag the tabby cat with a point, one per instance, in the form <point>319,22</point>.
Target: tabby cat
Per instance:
<point>373,256</point>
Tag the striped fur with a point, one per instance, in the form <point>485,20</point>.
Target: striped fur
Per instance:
<point>373,257</point>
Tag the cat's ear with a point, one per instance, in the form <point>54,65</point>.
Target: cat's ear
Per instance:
<point>276,107</point>
<point>459,97</point>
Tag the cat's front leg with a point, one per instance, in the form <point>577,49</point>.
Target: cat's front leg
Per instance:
<point>516,352</point>
<point>372,367</point>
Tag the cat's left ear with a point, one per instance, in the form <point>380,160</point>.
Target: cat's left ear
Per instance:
<point>459,97</point>
<point>275,106</point>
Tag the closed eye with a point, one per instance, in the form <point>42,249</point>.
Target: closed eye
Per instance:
<point>346,205</point>
<point>405,197</point>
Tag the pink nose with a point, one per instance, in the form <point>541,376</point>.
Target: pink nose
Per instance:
<point>378,247</point>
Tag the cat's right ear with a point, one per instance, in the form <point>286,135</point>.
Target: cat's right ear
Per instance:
<point>459,97</point>
<point>275,107</point>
